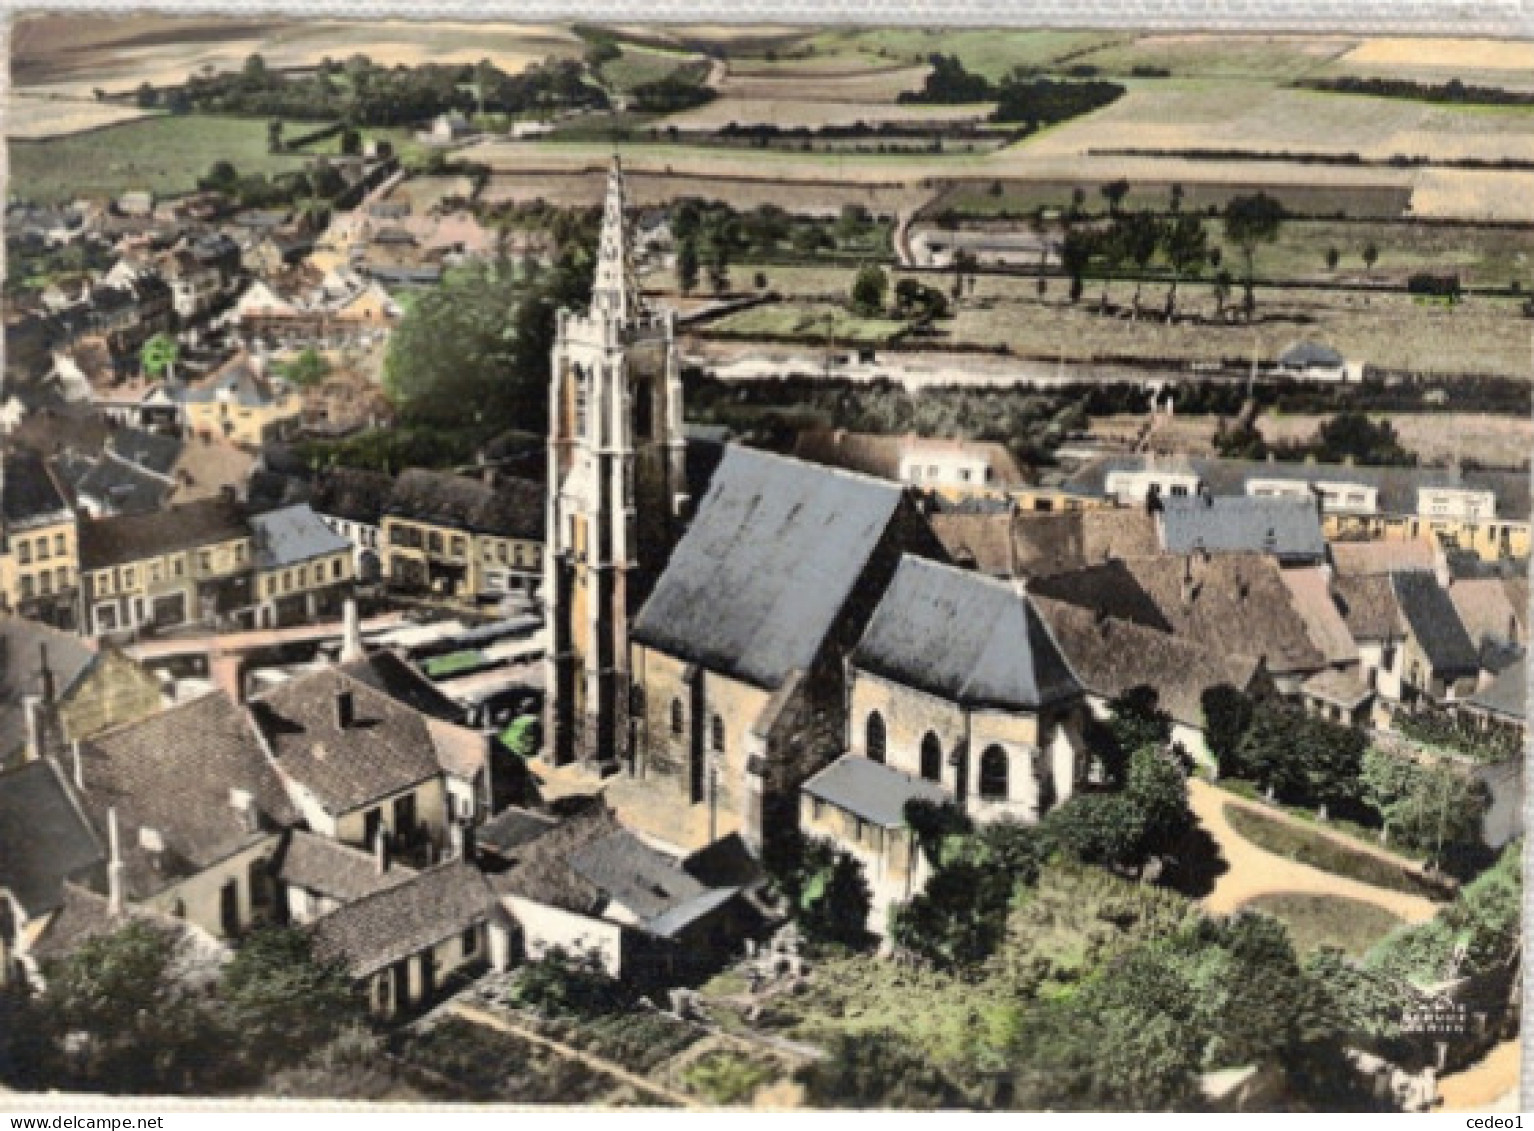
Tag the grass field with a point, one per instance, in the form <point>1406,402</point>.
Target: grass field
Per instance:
<point>880,86</point>
<point>425,193</point>
<point>163,155</point>
<point>814,322</point>
<point>1020,198</point>
<point>640,64</point>
<point>791,113</point>
<point>992,52</point>
<point>1314,921</point>
<point>1307,847</point>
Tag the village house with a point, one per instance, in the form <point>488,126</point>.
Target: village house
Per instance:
<point>56,688</point>
<point>316,874</point>
<point>956,467</point>
<point>39,554</point>
<point>1316,361</point>
<point>303,569</point>
<point>473,540</point>
<point>1017,543</point>
<point>240,404</point>
<point>587,885</point>
<point>1112,656</point>
<point>1286,529</point>
<point>195,811</point>
<point>360,764</point>
<point>352,503</point>
<point>1437,657</point>
<point>189,564</point>
<point>737,656</point>
<point>405,944</point>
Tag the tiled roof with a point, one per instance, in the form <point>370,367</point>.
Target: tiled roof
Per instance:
<point>1435,624</point>
<point>44,838</point>
<point>338,871</point>
<point>512,508</point>
<point>387,748</point>
<point>291,536</point>
<point>766,566</point>
<point>964,638</point>
<point>1365,558</point>
<point>386,926</point>
<point>1368,607</point>
<point>398,678</point>
<point>1342,688</point>
<point>129,538</point>
<point>173,773</point>
<point>512,828</point>
<point>871,790</point>
<point>1486,609</point>
<point>357,496</point>
<point>85,915</point>
<point>1311,593</point>
<point>1508,694</point>
<point>1112,656</point>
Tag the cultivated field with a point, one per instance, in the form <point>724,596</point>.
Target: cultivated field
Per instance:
<point>165,155</point>
<point>1020,198</point>
<point>821,322</point>
<point>1480,62</point>
<point>641,64</point>
<point>791,113</point>
<point>1221,56</point>
<point>883,84</point>
<point>992,52</point>
<point>648,190</point>
<point>28,118</point>
<point>75,54</point>
<point>1178,115</point>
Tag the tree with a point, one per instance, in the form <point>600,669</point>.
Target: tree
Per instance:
<point>1075,255</point>
<point>1114,193</point>
<point>274,136</point>
<point>158,356</point>
<point>1251,221</point>
<point>123,1022</point>
<point>351,142</point>
<point>964,264</point>
<point>282,1000</point>
<point>853,223</point>
<point>308,369</point>
<point>719,264</point>
<point>1137,721</point>
<point>1333,256</point>
<point>687,266</point>
<point>1159,790</point>
<point>1306,760</point>
<point>877,1068</point>
<point>1185,244</point>
<point>1227,714</point>
<point>1371,256</point>
<point>1141,237</point>
<point>1353,436</point>
<point>146,96</point>
<point>1222,282</point>
<point>1434,808</point>
<point>1106,829</point>
<point>919,302</point>
<point>868,291</point>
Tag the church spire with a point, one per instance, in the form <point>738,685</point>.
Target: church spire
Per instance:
<point>615,291</point>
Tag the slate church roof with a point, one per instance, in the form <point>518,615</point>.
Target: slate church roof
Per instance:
<point>964,638</point>
<point>768,564</point>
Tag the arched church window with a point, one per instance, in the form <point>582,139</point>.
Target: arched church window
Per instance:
<point>875,745</point>
<point>993,774</point>
<point>717,733</point>
<point>931,757</point>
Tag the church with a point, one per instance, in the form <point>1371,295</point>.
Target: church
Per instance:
<point>699,660</point>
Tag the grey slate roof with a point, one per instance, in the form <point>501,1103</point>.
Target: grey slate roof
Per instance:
<point>150,450</point>
<point>44,838</point>
<point>1435,623</point>
<point>1508,694</point>
<point>871,790</point>
<point>121,487</point>
<point>22,642</point>
<point>428,908</point>
<point>1310,355</point>
<point>632,874</point>
<point>1289,529</point>
<point>291,536</point>
<point>387,749</point>
<point>766,566</point>
<point>510,829</point>
<point>964,638</point>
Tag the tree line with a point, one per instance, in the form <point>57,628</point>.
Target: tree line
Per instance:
<point>1019,97</point>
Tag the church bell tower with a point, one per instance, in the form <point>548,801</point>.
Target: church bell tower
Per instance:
<point>616,491</point>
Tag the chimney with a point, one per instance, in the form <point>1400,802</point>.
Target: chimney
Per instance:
<point>79,765</point>
<point>346,709</point>
<point>351,633</point>
<point>153,843</point>
<point>115,866</point>
<point>244,803</point>
<point>381,851</point>
<point>44,674</point>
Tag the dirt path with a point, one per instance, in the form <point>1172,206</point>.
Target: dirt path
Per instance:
<point>590,1060</point>
<point>1490,1084</point>
<point>1255,872</point>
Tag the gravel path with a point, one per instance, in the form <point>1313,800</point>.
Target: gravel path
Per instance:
<point>1254,871</point>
